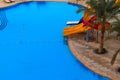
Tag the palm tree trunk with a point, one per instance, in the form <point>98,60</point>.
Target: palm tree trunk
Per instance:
<point>96,36</point>
<point>102,35</point>
<point>103,28</point>
<point>102,41</point>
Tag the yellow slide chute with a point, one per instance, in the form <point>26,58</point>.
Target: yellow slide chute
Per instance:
<point>77,28</point>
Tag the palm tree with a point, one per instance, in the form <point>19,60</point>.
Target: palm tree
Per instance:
<point>104,10</point>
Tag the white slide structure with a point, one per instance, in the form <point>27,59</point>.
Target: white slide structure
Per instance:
<point>72,22</point>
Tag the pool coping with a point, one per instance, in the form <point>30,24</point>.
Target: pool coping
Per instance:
<point>81,59</point>
<point>4,4</point>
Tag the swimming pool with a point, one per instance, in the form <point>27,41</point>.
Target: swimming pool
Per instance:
<point>32,46</point>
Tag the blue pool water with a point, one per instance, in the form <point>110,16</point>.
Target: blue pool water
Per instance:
<point>32,46</point>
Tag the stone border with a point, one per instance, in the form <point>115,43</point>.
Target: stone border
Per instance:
<point>89,63</point>
<point>81,59</point>
<point>4,4</point>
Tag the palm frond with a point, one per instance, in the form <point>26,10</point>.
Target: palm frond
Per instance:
<point>115,27</point>
<point>112,9</point>
<point>115,56</point>
<point>81,9</point>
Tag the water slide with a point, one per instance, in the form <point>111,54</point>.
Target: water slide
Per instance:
<point>83,27</point>
<point>77,28</point>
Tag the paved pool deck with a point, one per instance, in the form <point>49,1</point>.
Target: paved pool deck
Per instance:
<point>98,63</point>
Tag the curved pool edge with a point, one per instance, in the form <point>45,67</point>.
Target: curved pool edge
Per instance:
<point>4,4</point>
<point>86,63</point>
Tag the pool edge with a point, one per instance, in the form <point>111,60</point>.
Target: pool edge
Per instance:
<point>4,4</point>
